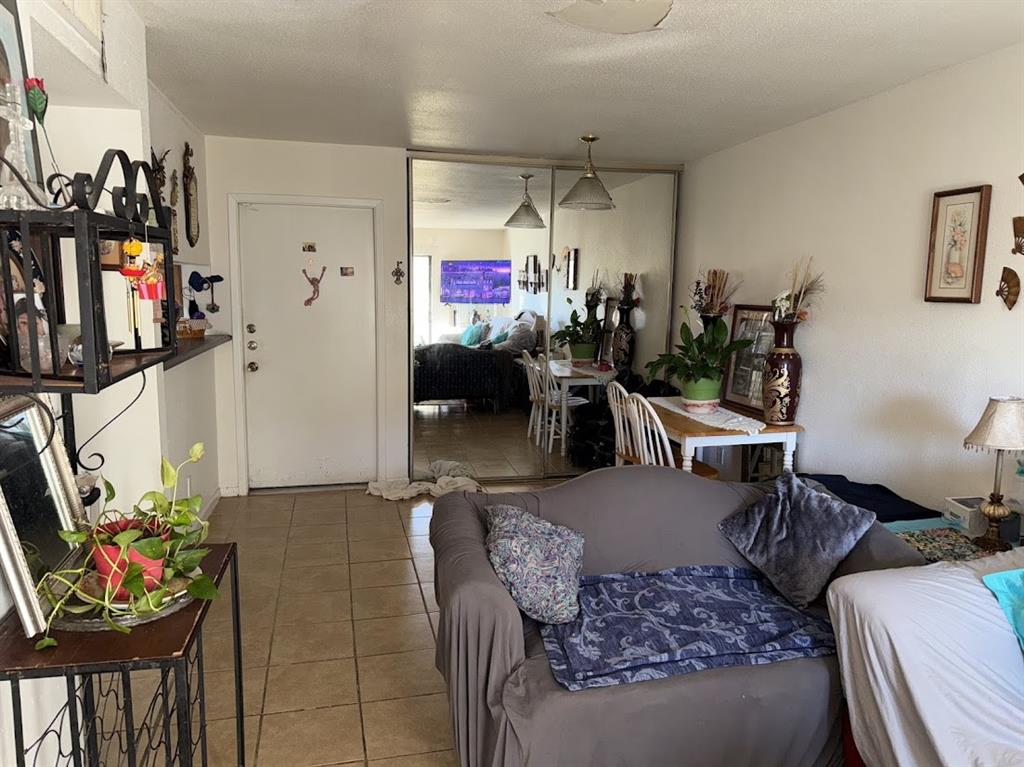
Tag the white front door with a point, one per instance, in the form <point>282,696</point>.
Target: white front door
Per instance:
<point>310,351</point>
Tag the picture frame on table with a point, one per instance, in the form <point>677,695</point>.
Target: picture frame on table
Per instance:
<point>741,390</point>
<point>38,500</point>
<point>956,245</point>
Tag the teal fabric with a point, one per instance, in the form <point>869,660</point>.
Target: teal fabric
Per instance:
<point>471,335</point>
<point>500,337</point>
<point>1008,588</point>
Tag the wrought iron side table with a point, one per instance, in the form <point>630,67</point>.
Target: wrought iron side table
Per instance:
<point>101,722</point>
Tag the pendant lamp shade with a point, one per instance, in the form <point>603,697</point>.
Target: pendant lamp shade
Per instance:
<point>526,215</point>
<point>588,193</point>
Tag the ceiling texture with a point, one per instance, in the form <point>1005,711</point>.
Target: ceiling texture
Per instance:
<point>505,77</point>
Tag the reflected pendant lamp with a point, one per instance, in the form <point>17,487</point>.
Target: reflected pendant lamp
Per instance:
<point>526,215</point>
<point>588,193</point>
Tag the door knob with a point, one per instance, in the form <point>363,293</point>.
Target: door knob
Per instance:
<point>253,346</point>
<point>253,367</point>
<point>250,328</point>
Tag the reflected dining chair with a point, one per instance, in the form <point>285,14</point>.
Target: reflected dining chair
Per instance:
<point>553,395</point>
<point>625,450</point>
<point>533,379</point>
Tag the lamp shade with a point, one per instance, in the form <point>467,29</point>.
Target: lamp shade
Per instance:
<point>1001,426</point>
<point>588,193</point>
<point>526,215</point>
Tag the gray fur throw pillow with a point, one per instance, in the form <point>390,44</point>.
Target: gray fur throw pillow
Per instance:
<point>537,561</point>
<point>797,536</point>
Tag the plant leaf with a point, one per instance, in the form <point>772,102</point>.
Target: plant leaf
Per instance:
<point>109,488</point>
<point>134,582</point>
<point>188,560</point>
<point>158,499</point>
<point>168,474</point>
<point>126,537</point>
<point>73,536</point>
<point>151,601</point>
<point>45,642</point>
<point>37,103</point>
<point>202,588</point>
<point>151,548</point>
<point>196,452</point>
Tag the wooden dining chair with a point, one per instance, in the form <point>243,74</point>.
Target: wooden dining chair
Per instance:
<point>625,451</point>
<point>650,441</point>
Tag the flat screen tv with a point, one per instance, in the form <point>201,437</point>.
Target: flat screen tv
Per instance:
<point>476,282</point>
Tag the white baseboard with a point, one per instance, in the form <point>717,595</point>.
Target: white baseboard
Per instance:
<point>209,504</point>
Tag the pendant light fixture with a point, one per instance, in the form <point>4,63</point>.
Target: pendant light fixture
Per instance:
<point>526,215</point>
<point>588,193</point>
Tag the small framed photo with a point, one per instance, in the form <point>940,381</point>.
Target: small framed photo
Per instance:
<point>742,389</point>
<point>956,246</point>
<point>572,269</point>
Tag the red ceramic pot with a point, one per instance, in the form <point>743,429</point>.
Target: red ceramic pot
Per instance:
<point>111,565</point>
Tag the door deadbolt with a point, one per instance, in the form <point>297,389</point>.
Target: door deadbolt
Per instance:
<point>252,346</point>
<point>253,367</point>
<point>250,328</point>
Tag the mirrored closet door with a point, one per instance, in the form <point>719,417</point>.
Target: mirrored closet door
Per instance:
<point>497,271</point>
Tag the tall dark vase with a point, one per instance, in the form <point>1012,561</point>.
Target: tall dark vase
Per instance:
<point>781,381</point>
<point>623,341</point>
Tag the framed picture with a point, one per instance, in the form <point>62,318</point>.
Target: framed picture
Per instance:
<point>13,70</point>
<point>572,258</point>
<point>38,499</point>
<point>956,246</point>
<point>533,273</point>
<point>110,255</point>
<point>742,388</point>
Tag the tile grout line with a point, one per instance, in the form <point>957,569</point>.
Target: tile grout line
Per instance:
<point>355,648</point>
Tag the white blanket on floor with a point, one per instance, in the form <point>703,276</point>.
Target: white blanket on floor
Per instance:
<point>449,476</point>
<point>931,668</point>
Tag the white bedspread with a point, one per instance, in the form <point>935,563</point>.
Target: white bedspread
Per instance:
<point>932,671</point>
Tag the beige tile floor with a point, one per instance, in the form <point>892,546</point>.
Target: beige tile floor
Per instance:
<point>338,618</point>
<point>494,445</point>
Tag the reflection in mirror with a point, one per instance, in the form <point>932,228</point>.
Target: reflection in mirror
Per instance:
<point>38,499</point>
<point>478,304</point>
<point>615,268</point>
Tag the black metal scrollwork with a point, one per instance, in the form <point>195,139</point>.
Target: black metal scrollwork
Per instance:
<point>84,190</point>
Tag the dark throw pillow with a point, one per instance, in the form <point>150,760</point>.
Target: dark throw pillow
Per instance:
<point>797,536</point>
<point>537,561</point>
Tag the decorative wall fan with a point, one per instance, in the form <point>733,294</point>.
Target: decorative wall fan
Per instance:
<point>1009,287</point>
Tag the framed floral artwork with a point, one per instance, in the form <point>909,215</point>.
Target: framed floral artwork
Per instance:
<point>956,247</point>
<point>742,390</point>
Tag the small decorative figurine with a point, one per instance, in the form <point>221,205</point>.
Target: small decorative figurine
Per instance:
<point>315,282</point>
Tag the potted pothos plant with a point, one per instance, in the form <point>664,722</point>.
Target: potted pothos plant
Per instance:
<point>136,563</point>
<point>699,363</point>
<point>580,335</point>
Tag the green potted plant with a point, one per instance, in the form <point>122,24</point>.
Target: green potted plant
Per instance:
<point>580,335</point>
<point>699,364</point>
<point>136,563</point>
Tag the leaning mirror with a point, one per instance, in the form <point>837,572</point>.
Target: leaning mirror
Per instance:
<point>38,499</point>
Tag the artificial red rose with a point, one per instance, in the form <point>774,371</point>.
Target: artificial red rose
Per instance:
<point>35,95</point>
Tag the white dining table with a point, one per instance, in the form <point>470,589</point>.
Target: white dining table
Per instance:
<point>567,376</point>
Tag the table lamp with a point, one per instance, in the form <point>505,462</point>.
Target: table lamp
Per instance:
<point>1001,429</point>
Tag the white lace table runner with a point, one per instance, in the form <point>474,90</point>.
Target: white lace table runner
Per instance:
<point>720,419</point>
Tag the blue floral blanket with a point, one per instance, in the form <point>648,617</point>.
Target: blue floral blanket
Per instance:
<point>638,626</point>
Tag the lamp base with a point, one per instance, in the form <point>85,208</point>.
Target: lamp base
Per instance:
<point>996,511</point>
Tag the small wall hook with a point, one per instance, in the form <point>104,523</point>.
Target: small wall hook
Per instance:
<point>398,273</point>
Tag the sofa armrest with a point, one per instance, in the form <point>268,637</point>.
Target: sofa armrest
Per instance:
<point>480,631</point>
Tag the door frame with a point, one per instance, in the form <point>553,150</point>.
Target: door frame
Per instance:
<point>235,202</point>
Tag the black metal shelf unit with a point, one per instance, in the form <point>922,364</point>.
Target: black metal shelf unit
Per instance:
<point>41,233</point>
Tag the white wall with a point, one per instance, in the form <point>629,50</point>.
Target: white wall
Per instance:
<point>636,236</point>
<point>891,384</point>
<point>170,129</point>
<point>252,166</point>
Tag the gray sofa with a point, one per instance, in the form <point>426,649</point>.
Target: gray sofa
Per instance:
<point>507,708</point>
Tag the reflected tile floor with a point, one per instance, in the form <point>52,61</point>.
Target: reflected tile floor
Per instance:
<point>339,623</point>
<point>493,445</point>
